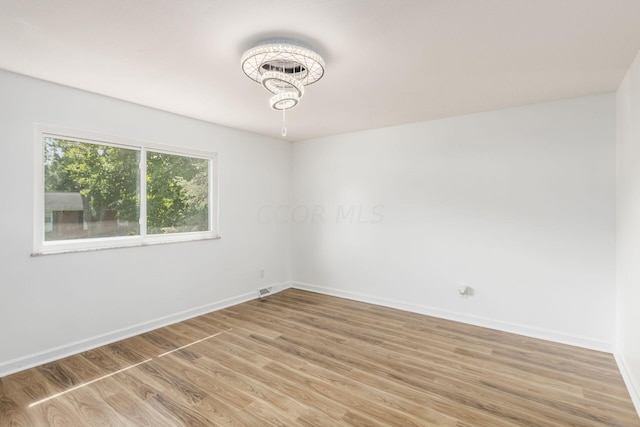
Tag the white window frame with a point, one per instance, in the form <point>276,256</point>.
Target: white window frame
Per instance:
<point>42,247</point>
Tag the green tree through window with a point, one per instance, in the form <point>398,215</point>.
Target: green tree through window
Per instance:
<point>93,190</point>
<point>177,193</point>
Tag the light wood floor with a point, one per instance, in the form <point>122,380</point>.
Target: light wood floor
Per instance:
<point>304,359</point>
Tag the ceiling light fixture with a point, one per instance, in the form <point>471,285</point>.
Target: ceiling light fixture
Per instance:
<point>284,68</point>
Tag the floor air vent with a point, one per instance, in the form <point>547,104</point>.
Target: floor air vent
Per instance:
<point>265,292</point>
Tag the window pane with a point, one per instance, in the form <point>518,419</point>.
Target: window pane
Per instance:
<point>177,193</point>
<point>91,190</point>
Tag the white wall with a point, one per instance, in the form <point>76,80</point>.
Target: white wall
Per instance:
<point>518,204</point>
<point>628,229</point>
<point>55,304</point>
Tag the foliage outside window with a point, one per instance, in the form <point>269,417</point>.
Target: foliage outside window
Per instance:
<point>91,190</point>
<point>177,193</point>
<point>103,194</point>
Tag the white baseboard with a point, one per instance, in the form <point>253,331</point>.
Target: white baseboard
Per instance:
<point>35,359</point>
<point>632,386</point>
<point>515,328</point>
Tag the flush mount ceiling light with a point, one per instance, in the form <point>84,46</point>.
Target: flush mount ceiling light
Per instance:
<point>284,68</point>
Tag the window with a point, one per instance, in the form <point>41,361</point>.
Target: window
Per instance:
<point>96,192</point>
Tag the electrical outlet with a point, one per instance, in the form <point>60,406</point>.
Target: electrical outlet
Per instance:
<point>465,291</point>
<point>261,273</point>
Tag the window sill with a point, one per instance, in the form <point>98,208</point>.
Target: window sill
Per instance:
<point>59,251</point>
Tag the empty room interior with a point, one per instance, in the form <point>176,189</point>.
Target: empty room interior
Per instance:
<point>320,213</point>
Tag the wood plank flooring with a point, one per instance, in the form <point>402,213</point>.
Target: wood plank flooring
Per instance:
<point>304,359</point>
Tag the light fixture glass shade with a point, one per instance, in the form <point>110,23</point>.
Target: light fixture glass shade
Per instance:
<point>284,69</point>
<point>284,101</point>
<point>292,59</point>
<point>278,82</point>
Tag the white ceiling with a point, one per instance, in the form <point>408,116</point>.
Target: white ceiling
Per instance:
<point>388,61</point>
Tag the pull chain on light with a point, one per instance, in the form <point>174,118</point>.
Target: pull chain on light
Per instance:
<point>283,132</point>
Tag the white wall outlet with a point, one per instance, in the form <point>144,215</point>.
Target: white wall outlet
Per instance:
<point>465,291</point>
<point>261,273</point>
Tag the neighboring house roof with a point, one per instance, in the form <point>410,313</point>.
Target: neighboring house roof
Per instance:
<point>62,201</point>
